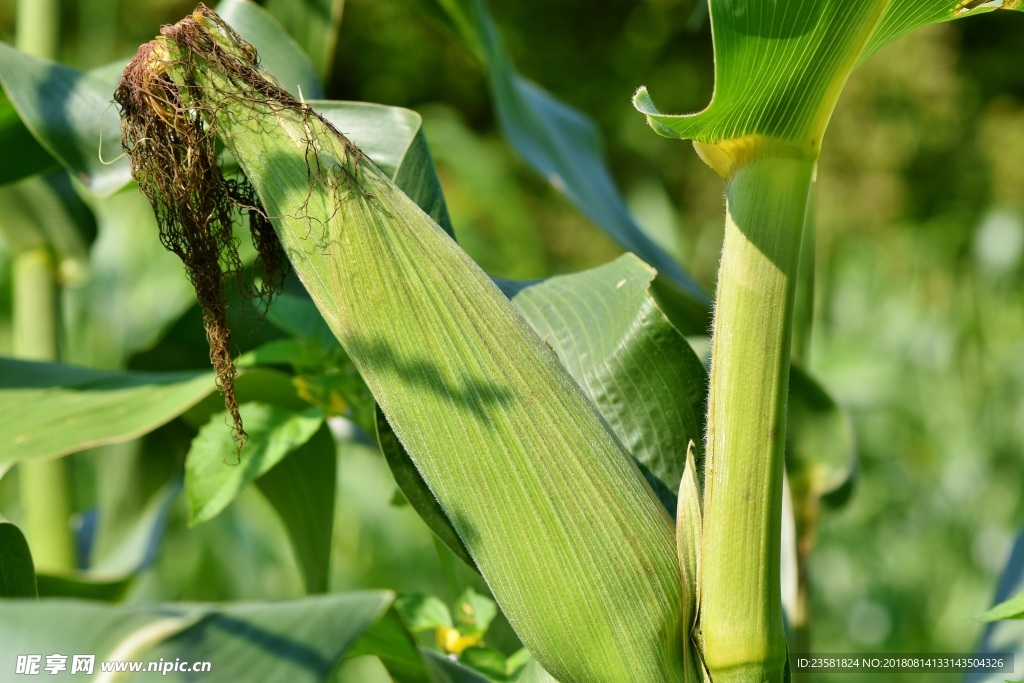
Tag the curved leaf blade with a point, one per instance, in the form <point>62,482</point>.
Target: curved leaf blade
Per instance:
<point>52,410</point>
<point>212,476</point>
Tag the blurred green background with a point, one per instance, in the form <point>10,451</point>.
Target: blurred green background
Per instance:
<point>919,327</point>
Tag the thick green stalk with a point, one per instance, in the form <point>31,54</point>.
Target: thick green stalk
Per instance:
<point>37,27</point>
<point>45,490</point>
<point>741,607</point>
<point>45,486</point>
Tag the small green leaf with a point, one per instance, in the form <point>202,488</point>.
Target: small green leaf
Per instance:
<point>213,477</point>
<point>279,53</point>
<point>301,487</point>
<point>51,409</point>
<point>446,670</point>
<point>474,613</point>
<point>300,641</point>
<point>487,661</point>
<point>1010,609</point>
<point>423,612</point>
<point>390,641</point>
<point>17,572</point>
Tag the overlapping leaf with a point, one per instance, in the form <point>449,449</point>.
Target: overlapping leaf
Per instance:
<point>17,571</point>
<point>780,66</point>
<point>53,410</point>
<point>298,640</point>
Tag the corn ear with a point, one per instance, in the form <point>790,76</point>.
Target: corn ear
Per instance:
<point>570,539</point>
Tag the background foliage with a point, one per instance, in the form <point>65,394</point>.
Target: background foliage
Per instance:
<point>919,310</point>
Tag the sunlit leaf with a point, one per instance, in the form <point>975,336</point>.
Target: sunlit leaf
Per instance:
<point>213,474</point>
<point>1011,609</point>
<point>53,410</point>
<point>423,612</point>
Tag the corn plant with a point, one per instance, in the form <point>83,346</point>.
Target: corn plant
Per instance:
<point>552,435</point>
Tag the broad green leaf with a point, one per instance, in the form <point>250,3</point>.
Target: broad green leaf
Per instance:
<point>779,69</point>
<point>390,641</point>
<point>423,612</point>
<point>1010,609</point>
<point>51,409</point>
<point>416,491</point>
<point>302,488</point>
<point>213,476</point>
<point>505,439</point>
<point>820,455</point>
<point>17,572</point>
<point>296,640</point>
<point>565,148</point>
<point>314,24</point>
<point>635,367</point>
<point>23,155</point>
<point>70,113</point>
<point>279,53</point>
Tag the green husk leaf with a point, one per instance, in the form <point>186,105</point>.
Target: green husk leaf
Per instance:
<point>506,441</point>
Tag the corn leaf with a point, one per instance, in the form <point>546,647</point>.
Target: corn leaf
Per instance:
<point>17,571</point>
<point>302,490</point>
<point>507,442</point>
<point>66,110</point>
<point>297,640</point>
<point>24,155</point>
<point>314,24</point>
<point>564,147</point>
<point>1010,609</point>
<point>212,475</point>
<point>636,368</point>
<point>280,54</point>
<point>779,69</point>
<point>390,641</point>
<point>53,410</point>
